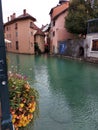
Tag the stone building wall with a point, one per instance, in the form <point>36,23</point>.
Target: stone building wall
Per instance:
<point>74,48</point>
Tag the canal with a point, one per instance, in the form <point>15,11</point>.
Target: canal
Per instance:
<point>68,91</point>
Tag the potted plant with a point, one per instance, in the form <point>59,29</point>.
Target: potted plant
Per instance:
<point>23,100</point>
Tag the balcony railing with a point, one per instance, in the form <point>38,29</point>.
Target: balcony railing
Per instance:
<point>92,26</point>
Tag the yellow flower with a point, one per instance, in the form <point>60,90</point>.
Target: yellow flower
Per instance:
<point>32,110</point>
<point>14,116</point>
<point>21,105</point>
<point>34,103</point>
<point>13,120</point>
<point>29,105</point>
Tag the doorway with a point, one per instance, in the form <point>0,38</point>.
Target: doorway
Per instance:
<point>81,51</point>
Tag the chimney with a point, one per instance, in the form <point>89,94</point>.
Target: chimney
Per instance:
<point>11,17</point>
<point>8,19</point>
<point>14,15</point>
<point>24,12</point>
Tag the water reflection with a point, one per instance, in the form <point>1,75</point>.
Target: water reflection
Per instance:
<point>68,91</point>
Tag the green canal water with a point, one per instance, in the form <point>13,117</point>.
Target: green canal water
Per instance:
<point>68,91</point>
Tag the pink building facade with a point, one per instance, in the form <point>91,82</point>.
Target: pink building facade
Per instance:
<point>58,31</point>
<point>21,32</point>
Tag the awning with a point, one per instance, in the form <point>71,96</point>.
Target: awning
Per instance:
<point>7,41</point>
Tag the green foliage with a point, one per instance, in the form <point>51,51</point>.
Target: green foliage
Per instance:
<point>79,13</point>
<point>95,8</point>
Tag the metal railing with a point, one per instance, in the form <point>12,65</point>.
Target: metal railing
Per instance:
<point>6,121</point>
<point>92,26</point>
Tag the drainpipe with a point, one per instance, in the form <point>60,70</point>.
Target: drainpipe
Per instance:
<point>6,121</point>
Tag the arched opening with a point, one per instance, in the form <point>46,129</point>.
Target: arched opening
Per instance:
<point>36,48</point>
<point>81,51</point>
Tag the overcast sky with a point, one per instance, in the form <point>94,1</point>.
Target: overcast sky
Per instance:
<point>39,9</point>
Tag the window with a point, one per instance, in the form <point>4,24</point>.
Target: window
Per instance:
<point>7,28</point>
<point>17,45</point>
<point>9,45</point>
<point>92,26</point>
<point>35,38</point>
<point>53,33</point>
<point>95,45</point>
<point>53,23</point>
<point>8,36</point>
<point>31,24</point>
<point>16,26</point>
<point>31,44</point>
<point>31,33</point>
<point>16,34</point>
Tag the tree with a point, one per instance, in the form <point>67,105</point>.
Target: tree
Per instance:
<point>79,12</point>
<point>95,8</point>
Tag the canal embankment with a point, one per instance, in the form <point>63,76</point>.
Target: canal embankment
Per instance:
<point>91,60</point>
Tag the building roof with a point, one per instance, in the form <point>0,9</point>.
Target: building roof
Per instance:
<point>34,26</point>
<point>39,32</point>
<point>56,11</point>
<point>24,16</point>
<point>45,28</point>
<point>62,1</point>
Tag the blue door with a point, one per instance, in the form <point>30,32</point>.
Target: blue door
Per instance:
<point>62,47</point>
